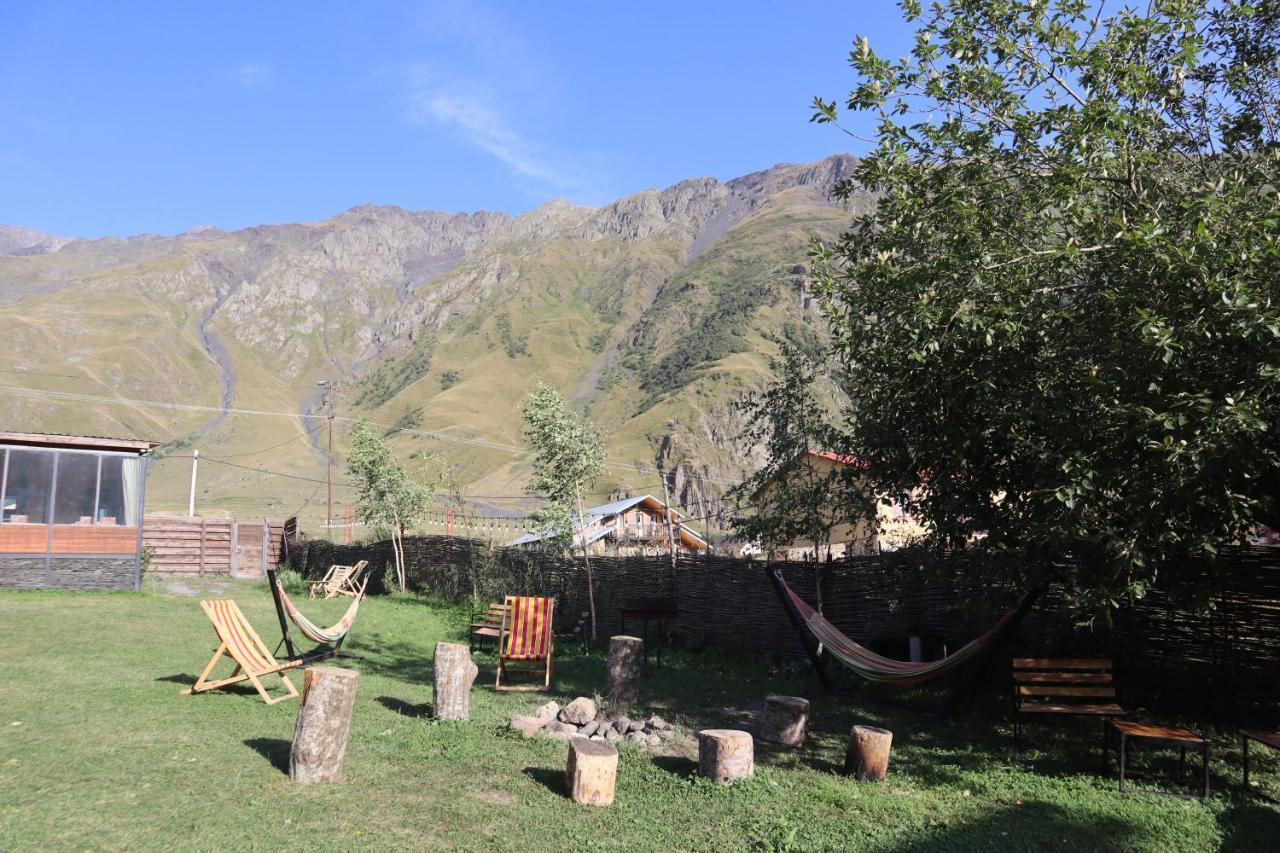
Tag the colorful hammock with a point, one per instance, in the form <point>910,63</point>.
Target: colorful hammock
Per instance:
<point>873,667</point>
<point>328,636</point>
<point>331,638</point>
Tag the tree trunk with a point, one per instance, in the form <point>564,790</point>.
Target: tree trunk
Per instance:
<point>626,657</point>
<point>867,756</point>
<point>454,674</point>
<point>591,586</point>
<point>785,720</point>
<point>324,721</point>
<point>591,772</point>
<point>725,755</point>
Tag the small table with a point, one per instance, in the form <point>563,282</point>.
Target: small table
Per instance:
<point>649,610</point>
<point>1160,736</point>
<point>1271,739</point>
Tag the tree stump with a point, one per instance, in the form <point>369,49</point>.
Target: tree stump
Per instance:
<point>324,721</point>
<point>454,674</point>
<point>785,720</point>
<point>725,755</point>
<point>868,754</point>
<point>591,772</point>
<point>626,657</point>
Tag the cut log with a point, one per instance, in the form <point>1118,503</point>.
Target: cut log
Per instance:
<point>454,674</point>
<point>725,755</point>
<point>591,772</point>
<point>785,720</point>
<point>324,721</point>
<point>867,757</point>
<point>626,658</point>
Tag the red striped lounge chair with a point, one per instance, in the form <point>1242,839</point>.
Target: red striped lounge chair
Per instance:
<point>241,643</point>
<point>526,643</point>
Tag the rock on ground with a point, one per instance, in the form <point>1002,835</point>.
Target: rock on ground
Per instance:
<point>579,711</point>
<point>548,712</point>
<point>528,726</point>
<point>561,731</point>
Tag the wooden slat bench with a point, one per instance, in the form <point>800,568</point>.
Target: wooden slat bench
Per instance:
<point>488,626</point>
<point>1075,687</point>
<point>1271,739</point>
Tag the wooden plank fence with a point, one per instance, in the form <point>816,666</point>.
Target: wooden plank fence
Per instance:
<point>177,545</point>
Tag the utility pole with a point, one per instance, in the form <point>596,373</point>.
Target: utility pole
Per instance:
<point>191,500</point>
<point>327,384</point>
<point>671,533</point>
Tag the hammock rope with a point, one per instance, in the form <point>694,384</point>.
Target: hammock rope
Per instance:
<point>314,632</point>
<point>873,667</point>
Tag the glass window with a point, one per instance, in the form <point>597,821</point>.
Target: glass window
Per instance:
<point>26,494</point>
<point>77,486</point>
<point>118,494</point>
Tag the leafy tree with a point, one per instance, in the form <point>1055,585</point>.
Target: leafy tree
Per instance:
<point>568,456</point>
<point>388,494</point>
<point>791,496</point>
<point>1061,321</point>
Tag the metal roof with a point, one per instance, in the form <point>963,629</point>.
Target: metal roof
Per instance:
<point>76,442</point>
<point>602,511</point>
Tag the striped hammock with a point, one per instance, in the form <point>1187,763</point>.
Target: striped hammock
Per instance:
<point>314,632</point>
<point>873,667</point>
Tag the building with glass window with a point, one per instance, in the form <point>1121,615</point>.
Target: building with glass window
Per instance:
<point>71,510</point>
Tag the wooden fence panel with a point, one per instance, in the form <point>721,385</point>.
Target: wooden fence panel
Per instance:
<point>177,545</point>
<point>1220,660</point>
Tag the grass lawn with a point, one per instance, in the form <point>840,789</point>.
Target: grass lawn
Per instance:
<point>98,750</point>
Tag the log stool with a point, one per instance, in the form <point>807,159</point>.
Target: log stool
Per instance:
<point>591,772</point>
<point>785,720</point>
<point>626,657</point>
<point>454,674</point>
<point>867,756</point>
<point>324,721</point>
<point>725,755</point>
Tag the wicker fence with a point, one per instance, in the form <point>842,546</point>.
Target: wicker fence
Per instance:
<point>1223,659</point>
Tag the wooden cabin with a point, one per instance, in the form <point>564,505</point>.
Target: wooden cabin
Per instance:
<point>71,510</point>
<point>635,526</point>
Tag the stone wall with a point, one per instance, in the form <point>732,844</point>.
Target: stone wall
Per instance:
<point>72,572</point>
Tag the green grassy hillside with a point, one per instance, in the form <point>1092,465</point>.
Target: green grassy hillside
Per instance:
<point>654,314</point>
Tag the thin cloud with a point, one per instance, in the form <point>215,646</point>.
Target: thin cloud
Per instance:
<point>251,75</point>
<point>467,110</point>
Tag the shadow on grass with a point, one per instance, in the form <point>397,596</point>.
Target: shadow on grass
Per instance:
<point>552,780</point>
<point>274,749</point>
<point>406,709</point>
<point>1249,826</point>
<point>1024,827</point>
<point>184,678</point>
<point>676,765</point>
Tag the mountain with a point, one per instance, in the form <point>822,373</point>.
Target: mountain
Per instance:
<point>654,313</point>
<point>15,240</point>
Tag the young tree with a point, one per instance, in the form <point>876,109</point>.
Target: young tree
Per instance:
<point>1061,322</point>
<point>388,494</point>
<point>568,455</point>
<point>792,496</point>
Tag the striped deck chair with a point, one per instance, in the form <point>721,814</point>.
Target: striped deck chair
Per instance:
<point>241,643</point>
<point>526,640</point>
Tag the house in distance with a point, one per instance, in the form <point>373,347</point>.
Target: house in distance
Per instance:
<point>71,510</point>
<point>629,527</point>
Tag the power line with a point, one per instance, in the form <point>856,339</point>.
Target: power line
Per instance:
<point>440,436</point>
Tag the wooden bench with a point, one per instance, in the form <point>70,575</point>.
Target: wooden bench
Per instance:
<point>488,626</point>
<point>1271,739</point>
<point>1063,687</point>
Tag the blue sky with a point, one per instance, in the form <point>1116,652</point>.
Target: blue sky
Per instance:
<point>129,118</point>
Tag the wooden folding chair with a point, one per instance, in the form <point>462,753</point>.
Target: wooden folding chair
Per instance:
<point>338,581</point>
<point>526,639</point>
<point>241,643</point>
